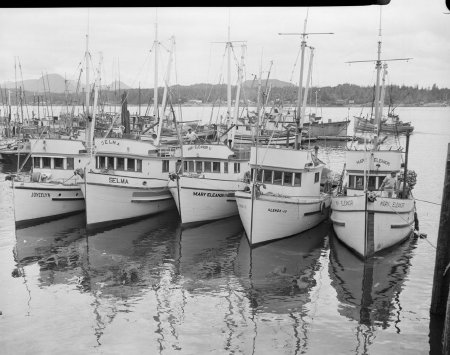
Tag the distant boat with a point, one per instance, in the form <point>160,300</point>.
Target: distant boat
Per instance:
<point>396,127</point>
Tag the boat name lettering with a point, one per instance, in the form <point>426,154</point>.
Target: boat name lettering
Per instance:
<point>346,202</point>
<point>277,210</point>
<point>208,194</point>
<point>115,180</point>
<point>110,141</point>
<point>199,147</point>
<point>381,161</point>
<point>393,204</point>
<point>40,194</point>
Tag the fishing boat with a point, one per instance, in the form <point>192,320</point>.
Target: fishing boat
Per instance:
<point>364,219</point>
<point>128,178</point>
<point>391,126</point>
<point>204,187</point>
<point>284,196</point>
<point>51,190</point>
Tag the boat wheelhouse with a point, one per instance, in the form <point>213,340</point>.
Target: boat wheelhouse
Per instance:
<point>51,190</point>
<point>284,197</point>
<point>127,179</point>
<point>204,190</point>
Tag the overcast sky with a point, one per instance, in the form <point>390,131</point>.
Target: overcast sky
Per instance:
<point>52,40</point>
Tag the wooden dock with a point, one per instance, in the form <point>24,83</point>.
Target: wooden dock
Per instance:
<point>440,301</point>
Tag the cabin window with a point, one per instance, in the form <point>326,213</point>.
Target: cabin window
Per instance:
<point>207,166</point>
<point>139,165</point>
<point>36,162</point>
<point>277,177</point>
<point>316,177</point>
<point>58,163</point>
<point>185,165</point>
<point>70,164</point>
<point>359,183</point>
<point>198,166</point>
<point>372,183</point>
<point>165,166</point>
<point>259,174</point>
<point>120,164</point>
<point>237,167</point>
<point>191,166</point>
<point>351,181</point>
<point>216,167</point>
<point>287,179</point>
<point>101,162</point>
<point>225,167</point>
<point>297,179</point>
<point>46,163</point>
<point>131,164</point>
<point>268,176</point>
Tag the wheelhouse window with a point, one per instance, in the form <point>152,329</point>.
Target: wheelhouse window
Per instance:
<point>46,163</point>
<point>287,179</point>
<point>198,166</point>
<point>191,166</point>
<point>207,165</point>
<point>37,162</point>
<point>120,164</point>
<point>225,167</point>
<point>216,167</point>
<point>316,177</point>
<point>101,162</point>
<point>277,177</point>
<point>267,176</point>
<point>131,164</point>
<point>58,163</point>
<point>259,175</point>
<point>372,183</point>
<point>237,167</point>
<point>70,163</point>
<point>139,165</point>
<point>165,166</point>
<point>297,179</point>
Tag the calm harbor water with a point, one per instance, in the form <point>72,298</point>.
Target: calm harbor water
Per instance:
<point>153,287</point>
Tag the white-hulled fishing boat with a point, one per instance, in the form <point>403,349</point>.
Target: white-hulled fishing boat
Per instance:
<point>211,175</point>
<point>284,197</point>
<point>129,180</point>
<point>204,187</point>
<point>364,219</point>
<point>51,190</point>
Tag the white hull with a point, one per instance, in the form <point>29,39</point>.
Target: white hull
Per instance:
<point>200,199</point>
<point>111,199</point>
<point>372,227</point>
<point>271,217</point>
<point>34,201</point>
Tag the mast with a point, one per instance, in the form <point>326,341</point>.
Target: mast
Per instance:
<point>155,86</point>
<point>229,74</point>
<point>88,90</point>
<point>383,91</point>
<point>166,87</point>
<point>298,117</point>
<point>238,92</point>
<point>308,79</point>
<point>377,96</point>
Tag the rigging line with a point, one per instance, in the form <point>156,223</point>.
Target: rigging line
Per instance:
<point>434,203</point>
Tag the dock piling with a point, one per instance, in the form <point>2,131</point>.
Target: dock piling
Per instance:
<point>440,301</point>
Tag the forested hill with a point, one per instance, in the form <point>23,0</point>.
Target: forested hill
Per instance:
<point>344,94</point>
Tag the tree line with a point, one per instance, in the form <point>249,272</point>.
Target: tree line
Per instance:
<point>342,94</point>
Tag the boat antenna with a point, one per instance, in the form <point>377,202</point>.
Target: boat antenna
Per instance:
<point>304,35</point>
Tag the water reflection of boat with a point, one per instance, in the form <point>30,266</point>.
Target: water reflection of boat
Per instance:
<point>279,279</point>
<point>41,242</point>
<point>368,291</point>
<point>280,275</point>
